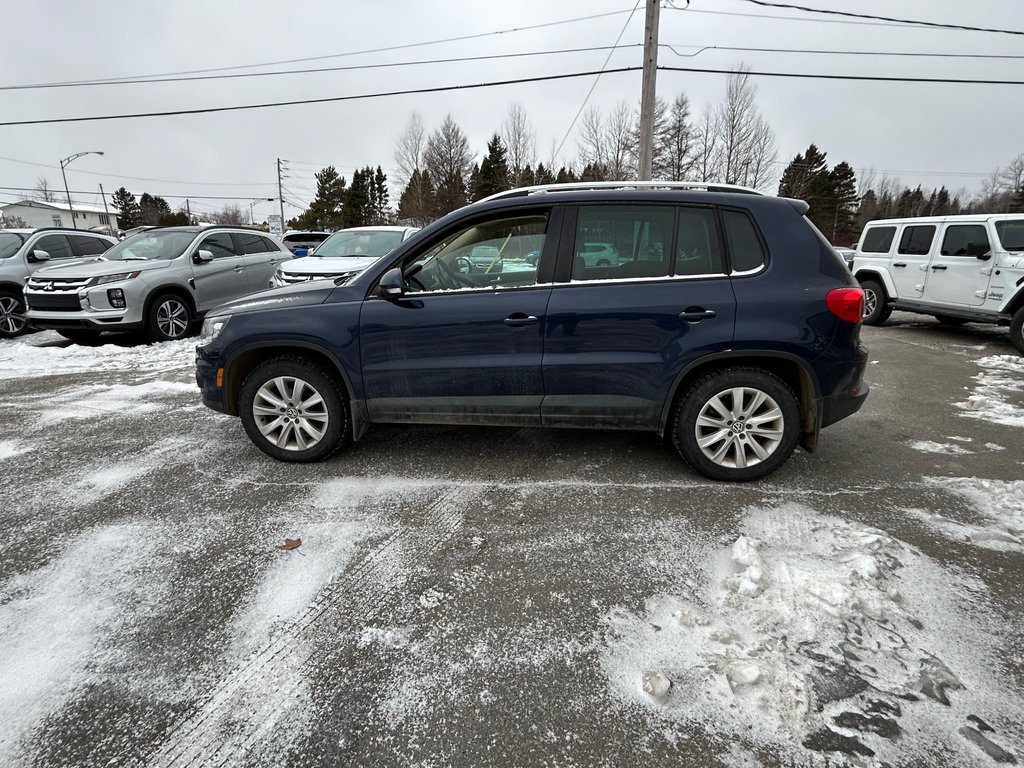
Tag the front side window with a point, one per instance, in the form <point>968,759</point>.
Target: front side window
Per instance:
<point>878,240</point>
<point>916,240</point>
<point>10,242</point>
<point>965,240</point>
<point>1011,234</point>
<point>493,254</point>
<point>745,249</point>
<point>154,245</point>
<point>220,245</point>
<point>623,241</point>
<point>55,245</point>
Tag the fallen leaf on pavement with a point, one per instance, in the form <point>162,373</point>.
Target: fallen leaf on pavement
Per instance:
<point>290,544</point>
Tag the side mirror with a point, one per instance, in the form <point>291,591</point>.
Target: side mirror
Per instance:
<point>391,285</point>
<point>979,251</point>
<point>38,255</point>
<point>202,257</point>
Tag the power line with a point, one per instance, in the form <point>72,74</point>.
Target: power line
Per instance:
<point>154,194</point>
<point>596,79</point>
<point>142,178</point>
<point>297,102</point>
<point>896,20</point>
<point>866,78</point>
<point>405,46</point>
<point>704,48</point>
<point>315,70</point>
<point>790,18</point>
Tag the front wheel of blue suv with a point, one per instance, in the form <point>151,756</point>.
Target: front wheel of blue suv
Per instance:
<point>294,410</point>
<point>737,424</point>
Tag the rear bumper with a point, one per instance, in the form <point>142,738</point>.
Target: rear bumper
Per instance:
<point>842,405</point>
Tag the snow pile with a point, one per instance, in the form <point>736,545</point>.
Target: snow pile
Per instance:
<point>999,394</point>
<point>999,505</point>
<point>927,446</point>
<point>23,358</point>
<point>10,448</point>
<point>815,635</point>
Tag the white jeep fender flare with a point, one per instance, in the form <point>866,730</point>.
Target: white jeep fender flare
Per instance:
<point>882,275</point>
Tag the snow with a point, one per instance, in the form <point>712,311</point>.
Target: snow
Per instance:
<point>31,356</point>
<point>998,396</point>
<point>808,626</point>
<point>998,504</point>
<point>927,446</point>
<point>101,400</point>
<point>12,448</point>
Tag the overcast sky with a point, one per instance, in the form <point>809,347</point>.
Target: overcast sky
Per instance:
<point>931,134</point>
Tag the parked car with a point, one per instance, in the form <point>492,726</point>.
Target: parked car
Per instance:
<point>599,255</point>
<point>737,355</point>
<point>23,251</point>
<point>958,268</point>
<point>159,280</point>
<point>847,254</point>
<point>342,255</point>
<point>301,243</point>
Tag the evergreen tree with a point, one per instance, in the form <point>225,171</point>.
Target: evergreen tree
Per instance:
<point>843,182</point>
<point>493,175</point>
<point>129,214</point>
<point>325,211</point>
<point>356,209</point>
<point>416,203</point>
<point>380,212</point>
<point>153,208</point>
<point>448,160</point>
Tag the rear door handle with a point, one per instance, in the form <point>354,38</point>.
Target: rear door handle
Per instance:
<point>519,319</point>
<point>938,266</point>
<point>696,314</point>
<point>899,264</point>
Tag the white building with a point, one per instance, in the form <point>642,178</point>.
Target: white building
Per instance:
<point>36,213</point>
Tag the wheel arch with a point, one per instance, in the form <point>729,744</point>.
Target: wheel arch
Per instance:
<point>793,370</point>
<point>243,361</point>
<point>1016,301</point>
<point>880,275</point>
<point>171,289</point>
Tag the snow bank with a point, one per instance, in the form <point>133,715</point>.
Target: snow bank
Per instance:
<point>999,505</point>
<point>999,394</point>
<point>817,636</point>
<point>25,358</point>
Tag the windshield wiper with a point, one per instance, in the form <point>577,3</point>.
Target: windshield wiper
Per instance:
<point>134,258</point>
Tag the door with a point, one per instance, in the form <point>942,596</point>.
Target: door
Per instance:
<point>462,344</point>
<point>261,258</point>
<point>221,279</point>
<point>910,263</point>
<point>618,335</point>
<point>959,272</point>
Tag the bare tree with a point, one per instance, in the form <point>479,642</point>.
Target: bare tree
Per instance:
<point>520,143</point>
<point>592,141</point>
<point>43,192</point>
<point>230,215</point>
<point>447,158</point>
<point>705,149</point>
<point>409,149</point>
<point>736,123</point>
<point>1011,177</point>
<point>675,143</point>
<point>12,222</point>
<point>759,163</point>
<point>621,142</point>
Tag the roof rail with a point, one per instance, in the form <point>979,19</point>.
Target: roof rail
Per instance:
<point>581,186</point>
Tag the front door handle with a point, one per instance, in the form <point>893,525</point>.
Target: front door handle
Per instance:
<point>696,314</point>
<point>239,268</point>
<point>899,264</point>
<point>519,319</point>
<point>938,266</point>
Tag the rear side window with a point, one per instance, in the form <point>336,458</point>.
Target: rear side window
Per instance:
<point>219,245</point>
<point>269,244</point>
<point>965,240</point>
<point>55,245</point>
<point>917,240</point>
<point>878,240</point>
<point>249,243</point>
<point>89,246</point>
<point>623,241</point>
<point>745,249</point>
<point>697,248</point>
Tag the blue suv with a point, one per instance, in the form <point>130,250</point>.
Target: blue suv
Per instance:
<point>727,323</point>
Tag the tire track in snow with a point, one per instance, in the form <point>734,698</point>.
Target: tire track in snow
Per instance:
<point>248,701</point>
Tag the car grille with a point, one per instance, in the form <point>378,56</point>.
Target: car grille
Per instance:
<point>57,284</point>
<point>286,278</point>
<point>53,301</point>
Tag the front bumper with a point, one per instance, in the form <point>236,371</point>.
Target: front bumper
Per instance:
<point>206,380</point>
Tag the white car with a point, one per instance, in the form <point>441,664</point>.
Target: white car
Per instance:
<point>343,255</point>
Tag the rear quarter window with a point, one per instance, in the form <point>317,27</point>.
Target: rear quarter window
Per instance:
<point>746,252</point>
<point>877,240</point>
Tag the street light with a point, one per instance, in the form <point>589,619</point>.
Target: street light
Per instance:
<point>64,164</point>
<point>252,222</point>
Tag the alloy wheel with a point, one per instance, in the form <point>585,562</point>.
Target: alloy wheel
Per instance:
<point>172,318</point>
<point>739,427</point>
<point>290,413</point>
<point>12,316</point>
<point>870,301</point>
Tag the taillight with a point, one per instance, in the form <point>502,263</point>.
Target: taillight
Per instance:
<point>846,304</point>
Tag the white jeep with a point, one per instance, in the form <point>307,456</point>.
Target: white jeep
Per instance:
<point>960,269</point>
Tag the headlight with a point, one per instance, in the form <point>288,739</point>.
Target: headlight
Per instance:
<point>212,326</point>
<point>276,280</point>
<point>114,278</point>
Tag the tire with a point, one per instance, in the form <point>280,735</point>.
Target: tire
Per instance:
<point>1017,330</point>
<point>169,318</point>
<point>12,315</point>
<point>87,338</point>
<point>706,414</point>
<point>950,320</point>
<point>876,309</point>
<point>604,263</point>
<point>294,410</point>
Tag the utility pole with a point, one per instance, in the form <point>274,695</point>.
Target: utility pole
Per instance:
<point>106,213</point>
<point>188,211</point>
<point>280,194</point>
<point>647,92</point>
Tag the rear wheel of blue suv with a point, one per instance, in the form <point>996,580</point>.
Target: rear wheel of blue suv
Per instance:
<point>728,324</point>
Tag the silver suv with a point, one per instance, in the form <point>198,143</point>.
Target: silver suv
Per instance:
<point>159,281</point>
<point>23,251</point>
<point>343,255</point>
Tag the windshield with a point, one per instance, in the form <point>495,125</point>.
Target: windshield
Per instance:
<point>151,246</point>
<point>358,243</point>
<point>10,242</point>
<point>1011,234</point>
